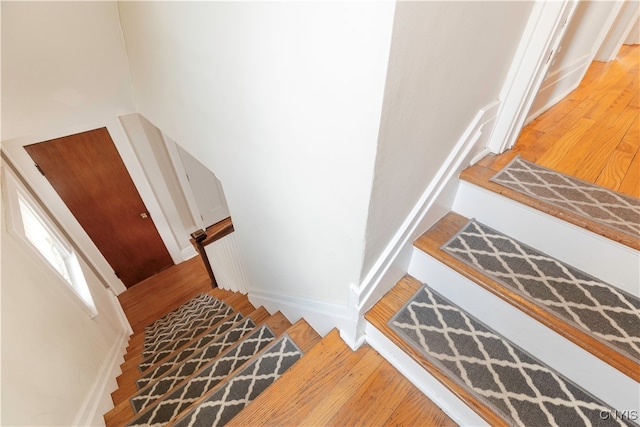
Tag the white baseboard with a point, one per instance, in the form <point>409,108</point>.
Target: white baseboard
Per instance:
<point>585,369</point>
<point>104,383</point>
<point>188,253</point>
<point>435,201</point>
<point>322,316</point>
<point>558,85</point>
<point>455,408</point>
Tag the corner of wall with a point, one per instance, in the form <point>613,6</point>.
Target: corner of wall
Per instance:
<point>322,316</point>
<point>436,200</point>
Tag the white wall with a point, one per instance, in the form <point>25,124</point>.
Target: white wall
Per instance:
<point>53,353</point>
<point>587,29</point>
<point>283,101</point>
<point>63,63</point>
<point>448,60</point>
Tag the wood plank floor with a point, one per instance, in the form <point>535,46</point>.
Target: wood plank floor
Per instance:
<point>592,134</point>
<point>333,386</point>
<point>150,299</point>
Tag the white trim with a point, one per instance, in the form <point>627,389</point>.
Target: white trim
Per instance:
<point>604,31</point>
<point>322,316</point>
<point>451,404</point>
<point>142,184</point>
<point>174,155</point>
<point>123,317</point>
<point>585,369</point>
<point>189,252</point>
<point>100,390</point>
<point>435,201</point>
<point>598,256</point>
<point>573,73</point>
<point>142,144</point>
<point>226,263</point>
<point>13,191</point>
<point>541,37</point>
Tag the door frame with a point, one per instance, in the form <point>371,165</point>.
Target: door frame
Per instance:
<point>542,35</point>
<point>174,155</point>
<point>24,164</point>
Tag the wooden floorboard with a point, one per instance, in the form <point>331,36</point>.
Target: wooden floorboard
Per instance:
<point>592,134</point>
<point>156,296</point>
<point>333,385</point>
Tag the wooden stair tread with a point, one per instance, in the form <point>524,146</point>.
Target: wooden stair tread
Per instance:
<point>304,336</point>
<point>127,380</point>
<point>123,412</point>
<point>382,312</point>
<point>430,243</point>
<point>238,302</point>
<point>333,385</point>
<point>480,175</point>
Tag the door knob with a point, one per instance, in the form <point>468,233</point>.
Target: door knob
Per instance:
<point>144,215</point>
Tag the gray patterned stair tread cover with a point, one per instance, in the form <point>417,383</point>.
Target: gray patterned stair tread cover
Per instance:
<point>599,309</point>
<point>213,335</point>
<point>167,318</point>
<point>516,386</point>
<point>185,338</point>
<point>181,397</point>
<point>177,315</point>
<point>232,396</point>
<point>585,199</point>
<point>197,360</point>
<point>178,328</point>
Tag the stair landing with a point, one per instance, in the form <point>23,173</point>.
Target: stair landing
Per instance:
<point>332,385</point>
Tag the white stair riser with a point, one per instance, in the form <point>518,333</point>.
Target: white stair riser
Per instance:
<point>586,370</point>
<point>598,256</point>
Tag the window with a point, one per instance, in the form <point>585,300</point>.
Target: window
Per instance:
<point>31,225</point>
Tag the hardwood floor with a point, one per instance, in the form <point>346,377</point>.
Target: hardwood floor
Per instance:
<point>592,134</point>
<point>159,294</point>
<point>331,385</point>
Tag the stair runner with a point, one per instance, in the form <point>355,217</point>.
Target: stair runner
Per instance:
<point>513,386</point>
<point>609,314</point>
<point>208,358</point>
<point>590,201</point>
<point>517,387</point>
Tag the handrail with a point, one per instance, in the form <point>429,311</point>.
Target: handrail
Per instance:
<point>202,238</point>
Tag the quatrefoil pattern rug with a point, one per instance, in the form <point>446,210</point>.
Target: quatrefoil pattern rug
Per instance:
<point>227,401</point>
<point>605,312</point>
<point>510,381</point>
<point>590,201</point>
<point>188,392</point>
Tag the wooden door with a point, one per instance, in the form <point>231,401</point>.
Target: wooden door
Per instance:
<point>87,172</point>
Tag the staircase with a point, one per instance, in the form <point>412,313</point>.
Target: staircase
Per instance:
<point>493,352</point>
<point>218,360</point>
<point>483,350</point>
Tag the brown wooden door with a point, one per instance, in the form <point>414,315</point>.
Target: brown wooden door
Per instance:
<point>87,172</point>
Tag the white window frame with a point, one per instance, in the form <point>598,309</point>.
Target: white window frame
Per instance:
<point>76,285</point>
